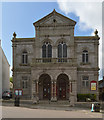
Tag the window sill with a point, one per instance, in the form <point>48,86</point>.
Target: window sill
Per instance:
<point>82,63</point>
<point>24,64</point>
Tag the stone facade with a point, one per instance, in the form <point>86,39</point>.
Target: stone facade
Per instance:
<point>4,72</point>
<point>101,89</point>
<point>67,75</point>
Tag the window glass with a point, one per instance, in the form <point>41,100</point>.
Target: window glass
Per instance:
<point>24,82</point>
<point>59,51</point>
<point>87,84</point>
<point>85,77</point>
<point>85,56</point>
<point>47,50</point>
<point>23,86</point>
<point>85,81</point>
<point>24,58</point>
<point>62,50</point>
<point>44,51</point>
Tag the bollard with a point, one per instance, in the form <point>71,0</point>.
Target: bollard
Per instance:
<point>17,101</point>
<point>92,108</point>
<point>97,107</point>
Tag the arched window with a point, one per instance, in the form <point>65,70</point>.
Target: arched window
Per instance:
<point>24,57</point>
<point>85,56</point>
<point>47,52</point>
<point>62,52</point>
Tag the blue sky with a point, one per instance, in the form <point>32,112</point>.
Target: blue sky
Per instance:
<point>19,17</point>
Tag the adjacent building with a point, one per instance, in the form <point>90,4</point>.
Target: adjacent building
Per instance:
<point>4,72</point>
<point>101,89</point>
<point>0,70</point>
<point>55,64</point>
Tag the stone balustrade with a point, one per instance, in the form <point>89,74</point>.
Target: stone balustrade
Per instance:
<point>53,60</point>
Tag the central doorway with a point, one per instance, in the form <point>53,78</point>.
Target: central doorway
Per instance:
<point>44,87</point>
<point>62,87</point>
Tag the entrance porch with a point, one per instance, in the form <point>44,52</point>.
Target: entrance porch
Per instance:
<point>53,90</point>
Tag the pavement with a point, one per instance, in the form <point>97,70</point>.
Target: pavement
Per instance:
<point>47,110</point>
<point>45,105</point>
<point>22,112</point>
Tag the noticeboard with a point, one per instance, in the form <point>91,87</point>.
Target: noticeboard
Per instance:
<point>93,85</point>
<point>18,92</point>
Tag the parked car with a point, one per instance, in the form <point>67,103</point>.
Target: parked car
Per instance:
<point>7,95</point>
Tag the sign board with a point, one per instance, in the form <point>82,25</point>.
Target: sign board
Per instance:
<point>93,85</point>
<point>18,92</point>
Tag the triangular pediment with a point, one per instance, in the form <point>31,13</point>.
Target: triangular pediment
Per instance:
<point>54,18</point>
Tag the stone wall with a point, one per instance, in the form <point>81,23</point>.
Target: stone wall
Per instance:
<point>55,28</point>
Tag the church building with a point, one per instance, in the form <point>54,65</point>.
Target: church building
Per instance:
<point>55,65</point>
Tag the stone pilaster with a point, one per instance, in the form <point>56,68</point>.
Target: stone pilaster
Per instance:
<point>55,96</point>
<point>37,90</point>
<point>34,89</point>
<point>97,93</point>
<point>73,93</point>
<point>69,90</point>
<point>52,90</point>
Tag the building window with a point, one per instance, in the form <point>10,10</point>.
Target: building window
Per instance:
<point>85,56</point>
<point>47,52</point>
<point>24,82</point>
<point>24,57</point>
<point>85,81</point>
<point>62,52</point>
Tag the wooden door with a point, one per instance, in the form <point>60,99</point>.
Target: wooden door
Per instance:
<point>62,91</point>
<point>46,90</point>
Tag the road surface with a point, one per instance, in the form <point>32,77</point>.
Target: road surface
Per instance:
<point>22,112</point>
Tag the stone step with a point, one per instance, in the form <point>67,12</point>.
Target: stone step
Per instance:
<point>57,103</point>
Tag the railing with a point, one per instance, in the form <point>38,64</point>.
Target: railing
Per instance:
<point>53,60</point>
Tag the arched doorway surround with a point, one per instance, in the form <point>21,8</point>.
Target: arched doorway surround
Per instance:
<point>44,87</point>
<point>62,87</point>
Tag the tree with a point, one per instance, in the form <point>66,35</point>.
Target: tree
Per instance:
<point>11,79</point>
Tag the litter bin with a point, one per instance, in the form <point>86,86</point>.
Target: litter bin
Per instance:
<point>17,101</point>
<point>97,107</point>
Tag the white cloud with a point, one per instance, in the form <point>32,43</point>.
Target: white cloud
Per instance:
<point>89,13</point>
<point>10,71</point>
